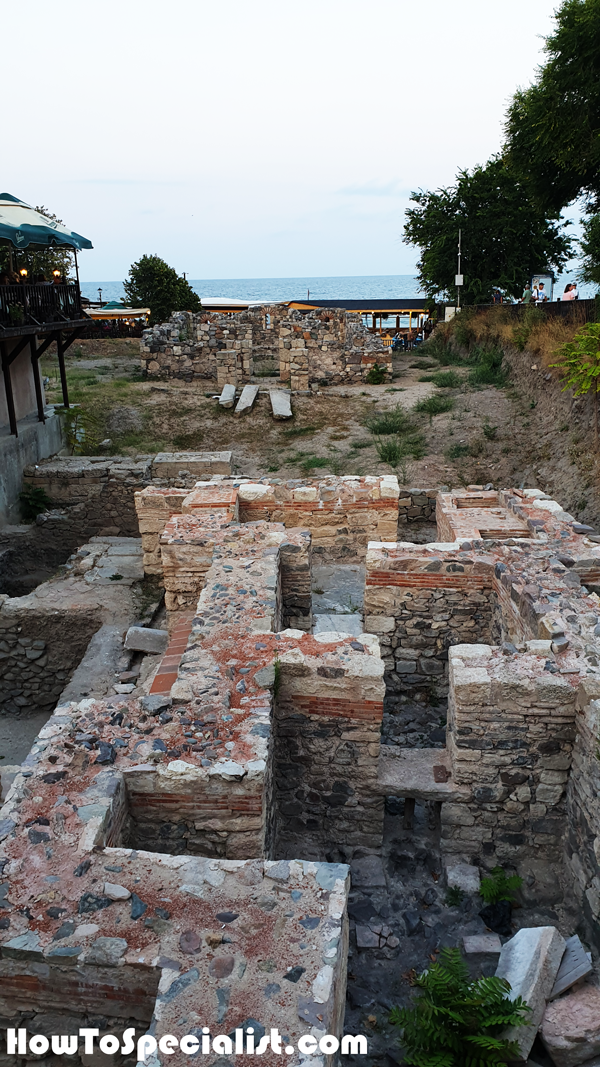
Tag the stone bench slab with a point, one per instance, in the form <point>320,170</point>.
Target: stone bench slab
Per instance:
<point>227,397</point>
<point>280,404</point>
<point>247,398</point>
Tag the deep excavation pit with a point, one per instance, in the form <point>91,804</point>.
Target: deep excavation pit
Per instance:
<point>331,728</point>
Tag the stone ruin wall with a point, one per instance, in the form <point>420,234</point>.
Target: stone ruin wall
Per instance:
<point>260,739</point>
<point>327,347</point>
<point>39,651</point>
<point>420,601</point>
<point>90,497</point>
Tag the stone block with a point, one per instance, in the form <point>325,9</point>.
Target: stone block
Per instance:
<point>571,1028</point>
<point>574,966</point>
<point>280,404</point>
<point>246,401</point>
<point>368,871</point>
<point>463,876</point>
<point>529,962</point>
<point>143,639</point>
<point>482,952</point>
<point>227,397</point>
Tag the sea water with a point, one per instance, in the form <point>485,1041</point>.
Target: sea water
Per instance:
<point>269,290</point>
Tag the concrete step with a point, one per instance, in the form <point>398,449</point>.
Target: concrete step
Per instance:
<point>227,397</point>
<point>280,404</point>
<point>246,401</point>
<point>341,624</point>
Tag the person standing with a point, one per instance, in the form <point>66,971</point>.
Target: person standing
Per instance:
<point>527,295</point>
<point>542,294</point>
<point>569,293</point>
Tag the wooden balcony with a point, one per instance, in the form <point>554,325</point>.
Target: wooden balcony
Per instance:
<point>31,309</point>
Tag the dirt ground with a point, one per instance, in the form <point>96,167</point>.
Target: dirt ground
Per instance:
<point>490,435</point>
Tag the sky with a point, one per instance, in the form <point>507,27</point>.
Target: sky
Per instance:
<point>254,138</point>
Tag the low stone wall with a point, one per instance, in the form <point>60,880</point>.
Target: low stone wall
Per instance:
<point>92,496</point>
<point>342,514</point>
<point>326,749</point>
<point>511,728</point>
<point>416,506</point>
<point>39,650</point>
<point>330,346</point>
<point>419,601</point>
<point>582,846</point>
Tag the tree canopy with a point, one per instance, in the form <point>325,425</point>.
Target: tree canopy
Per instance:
<point>506,237</point>
<point>553,127</point>
<point>153,283</point>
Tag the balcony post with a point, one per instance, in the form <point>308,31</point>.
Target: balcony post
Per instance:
<point>36,378</point>
<point>10,402</point>
<point>61,365</point>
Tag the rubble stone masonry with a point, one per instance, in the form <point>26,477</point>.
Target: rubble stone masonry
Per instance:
<point>182,854</point>
<point>330,346</point>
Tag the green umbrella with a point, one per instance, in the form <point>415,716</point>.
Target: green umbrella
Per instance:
<point>23,227</point>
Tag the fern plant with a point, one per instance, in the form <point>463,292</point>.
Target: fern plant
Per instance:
<point>34,500</point>
<point>499,886</point>
<point>456,1022</point>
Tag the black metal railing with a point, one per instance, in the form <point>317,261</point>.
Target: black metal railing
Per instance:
<point>38,305</point>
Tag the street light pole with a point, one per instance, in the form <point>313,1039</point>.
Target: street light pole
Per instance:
<point>459,277</point>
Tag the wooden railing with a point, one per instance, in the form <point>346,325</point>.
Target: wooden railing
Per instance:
<point>38,305</point>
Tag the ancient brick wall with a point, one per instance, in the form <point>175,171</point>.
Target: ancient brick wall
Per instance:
<point>511,729</point>
<point>419,601</point>
<point>342,514</point>
<point>94,496</point>
<point>326,749</point>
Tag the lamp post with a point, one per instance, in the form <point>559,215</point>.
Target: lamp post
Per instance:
<point>458,281</point>
<point>100,295</point>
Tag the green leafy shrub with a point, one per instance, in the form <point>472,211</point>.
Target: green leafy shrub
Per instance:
<point>454,896</point>
<point>531,317</point>
<point>434,405</point>
<point>499,886</point>
<point>488,367</point>
<point>312,462</point>
<point>444,379</point>
<point>457,451</point>
<point>489,432</point>
<point>455,1022</point>
<point>463,331</point>
<point>82,431</point>
<point>376,375</point>
<point>390,451</point>
<point>396,420</point>
<point>33,501</point>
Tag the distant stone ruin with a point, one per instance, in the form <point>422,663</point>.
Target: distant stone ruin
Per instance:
<point>328,347</point>
<point>182,852</point>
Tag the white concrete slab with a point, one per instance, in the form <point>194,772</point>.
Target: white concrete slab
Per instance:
<point>529,962</point>
<point>227,397</point>
<point>281,405</point>
<point>342,624</point>
<point>247,398</point>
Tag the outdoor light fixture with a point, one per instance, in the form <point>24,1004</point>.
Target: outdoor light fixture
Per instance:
<point>56,273</point>
<point>23,273</point>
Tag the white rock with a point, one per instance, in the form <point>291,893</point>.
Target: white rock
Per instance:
<point>529,962</point>
<point>463,876</point>
<point>116,892</point>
